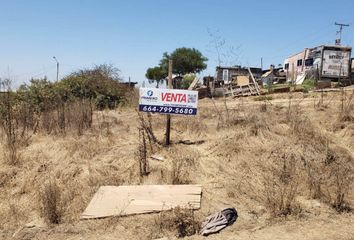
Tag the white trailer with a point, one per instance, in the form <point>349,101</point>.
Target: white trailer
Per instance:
<point>336,62</point>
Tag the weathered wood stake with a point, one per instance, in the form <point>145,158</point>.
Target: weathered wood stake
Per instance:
<point>168,117</point>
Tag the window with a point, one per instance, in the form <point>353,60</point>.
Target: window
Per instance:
<point>286,66</point>
<point>225,75</point>
<point>309,62</point>
<point>299,62</point>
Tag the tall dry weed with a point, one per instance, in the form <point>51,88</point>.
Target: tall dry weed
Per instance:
<point>12,215</point>
<point>146,125</point>
<point>347,109</point>
<point>14,124</point>
<point>280,181</point>
<point>184,162</point>
<point>143,152</point>
<point>51,206</point>
<point>192,125</point>
<point>329,168</point>
<point>180,220</point>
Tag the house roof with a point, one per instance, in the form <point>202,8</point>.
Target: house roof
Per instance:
<point>237,67</point>
<point>175,76</point>
<point>267,74</point>
<point>348,48</point>
<point>129,83</point>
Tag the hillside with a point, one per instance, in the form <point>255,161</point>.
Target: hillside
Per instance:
<point>286,165</point>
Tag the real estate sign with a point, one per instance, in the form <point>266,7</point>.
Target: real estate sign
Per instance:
<point>335,63</point>
<point>168,101</point>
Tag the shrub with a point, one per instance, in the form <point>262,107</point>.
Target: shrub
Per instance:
<point>280,184</point>
<point>329,168</point>
<point>179,172</point>
<point>58,107</point>
<point>258,124</point>
<point>14,122</point>
<point>51,204</point>
<point>347,109</point>
<point>263,98</point>
<point>181,220</point>
<point>339,175</point>
<point>308,85</point>
<point>183,162</point>
<point>100,84</point>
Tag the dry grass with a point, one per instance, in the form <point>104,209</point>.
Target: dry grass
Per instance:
<point>14,127</point>
<point>183,163</point>
<point>297,157</point>
<point>181,221</point>
<point>52,206</point>
<point>347,109</point>
<point>195,126</point>
<point>281,180</point>
<point>143,152</point>
<point>329,168</point>
<point>254,156</point>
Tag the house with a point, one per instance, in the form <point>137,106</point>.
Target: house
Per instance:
<point>296,64</point>
<point>268,78</point>
<point>129,85</point>
<point>227,75</point>
<point>323,63</point>
<point>176,81</point>
<point>277,75</point>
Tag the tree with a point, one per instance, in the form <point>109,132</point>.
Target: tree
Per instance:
<point>101,84</point>
<point>187,80</point>
<point>185,61</point>
<point>156,74</point>
<point>101,72</point>
<point>40,94</point>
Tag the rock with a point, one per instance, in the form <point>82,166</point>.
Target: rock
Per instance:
<point>159,158</point>
<point>315,203</point>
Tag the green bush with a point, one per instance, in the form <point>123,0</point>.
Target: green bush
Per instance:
<point>56,107</point>
<point>308,84</point>
<point>101,85</point>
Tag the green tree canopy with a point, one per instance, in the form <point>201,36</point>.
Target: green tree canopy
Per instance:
<point>102,84</point>
<point>185,61</point>
<point>156,74</point>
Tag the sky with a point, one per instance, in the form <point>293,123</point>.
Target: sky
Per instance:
<point>132,35</point>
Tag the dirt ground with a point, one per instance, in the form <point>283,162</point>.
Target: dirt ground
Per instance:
<point>285,164</point>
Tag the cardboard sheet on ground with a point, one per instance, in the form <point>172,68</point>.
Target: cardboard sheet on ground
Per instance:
<point>127,200</point>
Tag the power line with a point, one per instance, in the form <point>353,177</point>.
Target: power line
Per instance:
<point>308,38</point>
<point>311,35</point>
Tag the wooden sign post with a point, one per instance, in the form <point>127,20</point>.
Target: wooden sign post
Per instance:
<point>168,101</point>
<point>168,117</point>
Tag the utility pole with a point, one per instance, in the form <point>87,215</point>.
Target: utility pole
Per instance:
<point>57,67</point>
<point>168,117</point>
<point>341,25</point>
<point>293,73</point>
<point>262,63</point>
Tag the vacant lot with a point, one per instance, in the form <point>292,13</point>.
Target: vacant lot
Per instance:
<point>286,165</point>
